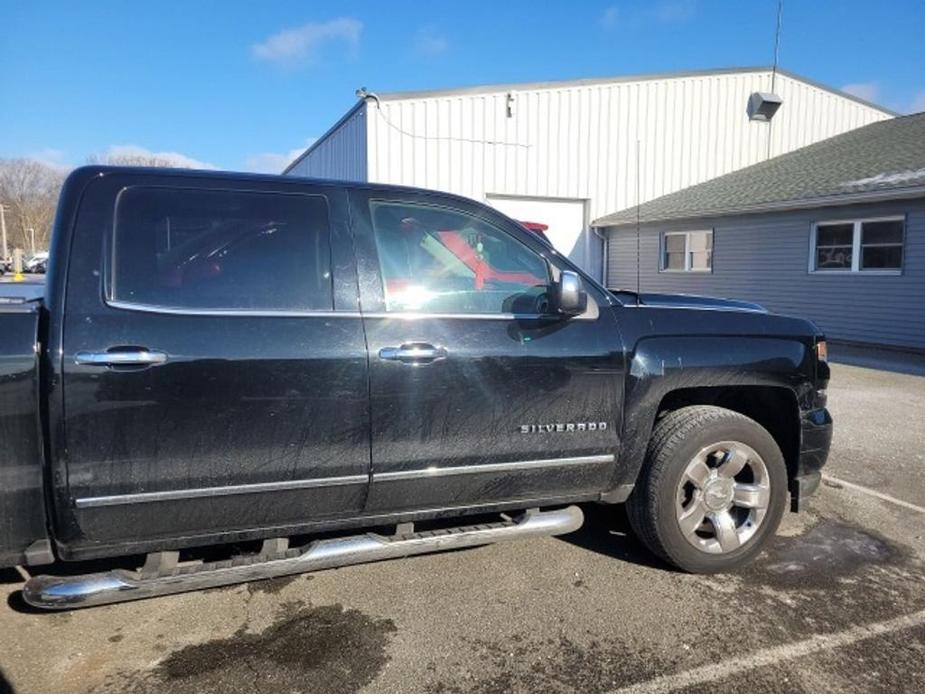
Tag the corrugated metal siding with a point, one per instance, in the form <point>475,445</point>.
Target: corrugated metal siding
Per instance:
<point>580,141</point>
<point>765,258</point>
<point>340,154</point>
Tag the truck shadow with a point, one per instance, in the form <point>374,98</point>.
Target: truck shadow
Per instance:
<point>5,686</point>
<point>607,531</point>
<point>8,576</point>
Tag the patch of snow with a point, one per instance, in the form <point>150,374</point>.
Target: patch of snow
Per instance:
<point>888,179</point>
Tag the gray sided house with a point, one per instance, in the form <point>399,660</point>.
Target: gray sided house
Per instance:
<point>833,232</point>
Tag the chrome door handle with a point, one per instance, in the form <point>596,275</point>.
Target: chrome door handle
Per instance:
<point>413,353</point>
<point>135,357</point>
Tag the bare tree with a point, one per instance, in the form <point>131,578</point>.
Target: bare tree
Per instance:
<point>138,156</point>
<point>29,191</point>
<point>131,159</point>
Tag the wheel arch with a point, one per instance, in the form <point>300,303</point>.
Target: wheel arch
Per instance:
<point>773,407</point>
<point>759,377</point>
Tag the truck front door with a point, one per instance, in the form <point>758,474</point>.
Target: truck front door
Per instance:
<point>214,365</point>
<point>478,394</point>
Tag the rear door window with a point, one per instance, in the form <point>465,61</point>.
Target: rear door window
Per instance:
<point>221,250</point>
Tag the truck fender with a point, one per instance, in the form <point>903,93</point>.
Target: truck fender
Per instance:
<point>660,365</point>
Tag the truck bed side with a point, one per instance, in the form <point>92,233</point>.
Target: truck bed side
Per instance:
<point>23,534</point>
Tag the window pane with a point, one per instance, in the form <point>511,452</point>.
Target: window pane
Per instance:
<point>881,257</point>
<point>437,260</point>
<point>701,260</point>
<point>882,232</point>
<point>700,240</point>
<point>834,235</point>
<point>834,258</point>
<point>214,249</point>
<point>674,243</point>
<point>674,261</point>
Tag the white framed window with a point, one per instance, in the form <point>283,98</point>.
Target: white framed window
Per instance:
<point>687,251</point>
<point>872,246</point>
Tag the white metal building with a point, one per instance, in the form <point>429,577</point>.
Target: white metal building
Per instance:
<point>564,153</point>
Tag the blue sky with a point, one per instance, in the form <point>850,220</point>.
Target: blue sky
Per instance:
<point>241,85</point>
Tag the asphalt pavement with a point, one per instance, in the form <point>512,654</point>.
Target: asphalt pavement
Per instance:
<point>836,604</point>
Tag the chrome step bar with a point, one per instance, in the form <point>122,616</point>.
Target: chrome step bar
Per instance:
<point>163,575</point>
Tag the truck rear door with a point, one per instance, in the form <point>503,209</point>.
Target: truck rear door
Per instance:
<point>214,364</point>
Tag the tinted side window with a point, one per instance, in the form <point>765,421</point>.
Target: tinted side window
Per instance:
<point>221,250</point>
<point>437,260</point>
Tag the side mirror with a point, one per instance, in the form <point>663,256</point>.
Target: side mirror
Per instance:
<point>570,298</point>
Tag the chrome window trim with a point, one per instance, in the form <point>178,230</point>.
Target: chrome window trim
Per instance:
<point>519,465</point>
<point>411,315</point>
<point>205,492</point>
<point>257,313</point>
<point>266,313</point>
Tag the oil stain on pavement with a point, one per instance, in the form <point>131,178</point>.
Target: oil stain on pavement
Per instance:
<point>315,649</point>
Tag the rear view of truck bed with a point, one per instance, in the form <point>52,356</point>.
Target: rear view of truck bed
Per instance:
<point>23,536</point>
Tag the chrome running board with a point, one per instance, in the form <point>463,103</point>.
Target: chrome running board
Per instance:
<point>163,575</point>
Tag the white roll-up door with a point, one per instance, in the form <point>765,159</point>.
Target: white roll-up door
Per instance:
<point>566,222</point>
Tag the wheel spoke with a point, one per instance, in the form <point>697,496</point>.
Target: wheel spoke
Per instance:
<point>692,519</point>
<point>698,472</point>
<point>752,496</point>
<point>733,462</point>
<point>725,529</point>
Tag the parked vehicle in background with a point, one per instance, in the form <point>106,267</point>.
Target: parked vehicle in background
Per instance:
<point>538,229</point>
<point>37,263</point>
<point>222,358</point>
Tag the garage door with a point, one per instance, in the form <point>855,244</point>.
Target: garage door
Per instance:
<point>565,219</point>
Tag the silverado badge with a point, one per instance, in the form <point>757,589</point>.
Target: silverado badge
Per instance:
<point>566,427</point>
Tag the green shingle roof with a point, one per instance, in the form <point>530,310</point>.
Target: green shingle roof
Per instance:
<point>878,158</point>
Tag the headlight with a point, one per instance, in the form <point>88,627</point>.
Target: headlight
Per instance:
<point>822,351</point>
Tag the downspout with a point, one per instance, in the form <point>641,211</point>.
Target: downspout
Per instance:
<point>605,252</point>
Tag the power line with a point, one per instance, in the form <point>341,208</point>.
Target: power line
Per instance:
<point>363,94</point>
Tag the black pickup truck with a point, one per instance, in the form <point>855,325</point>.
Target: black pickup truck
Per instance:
<point>270,363</point>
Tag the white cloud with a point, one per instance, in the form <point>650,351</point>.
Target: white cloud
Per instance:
<point>644,15</point>
<point>137,155</point>
<point>869,91</point>
<point>302,44</point>
<point>610,17</point>
<point>428,42</point>
<point>918,103</point>
<point>49,156</point>
<point>275,162</point>
<point>674,11</point>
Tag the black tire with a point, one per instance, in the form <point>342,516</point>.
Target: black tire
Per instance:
<point>676,441</point>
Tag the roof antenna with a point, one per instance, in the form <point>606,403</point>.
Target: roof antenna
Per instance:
<point>638,258</point>
<point>780,12</point>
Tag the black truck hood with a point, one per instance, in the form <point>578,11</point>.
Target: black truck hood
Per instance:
<point>629,297</point>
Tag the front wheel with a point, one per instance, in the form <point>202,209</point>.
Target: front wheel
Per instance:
<point>712,492</point>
